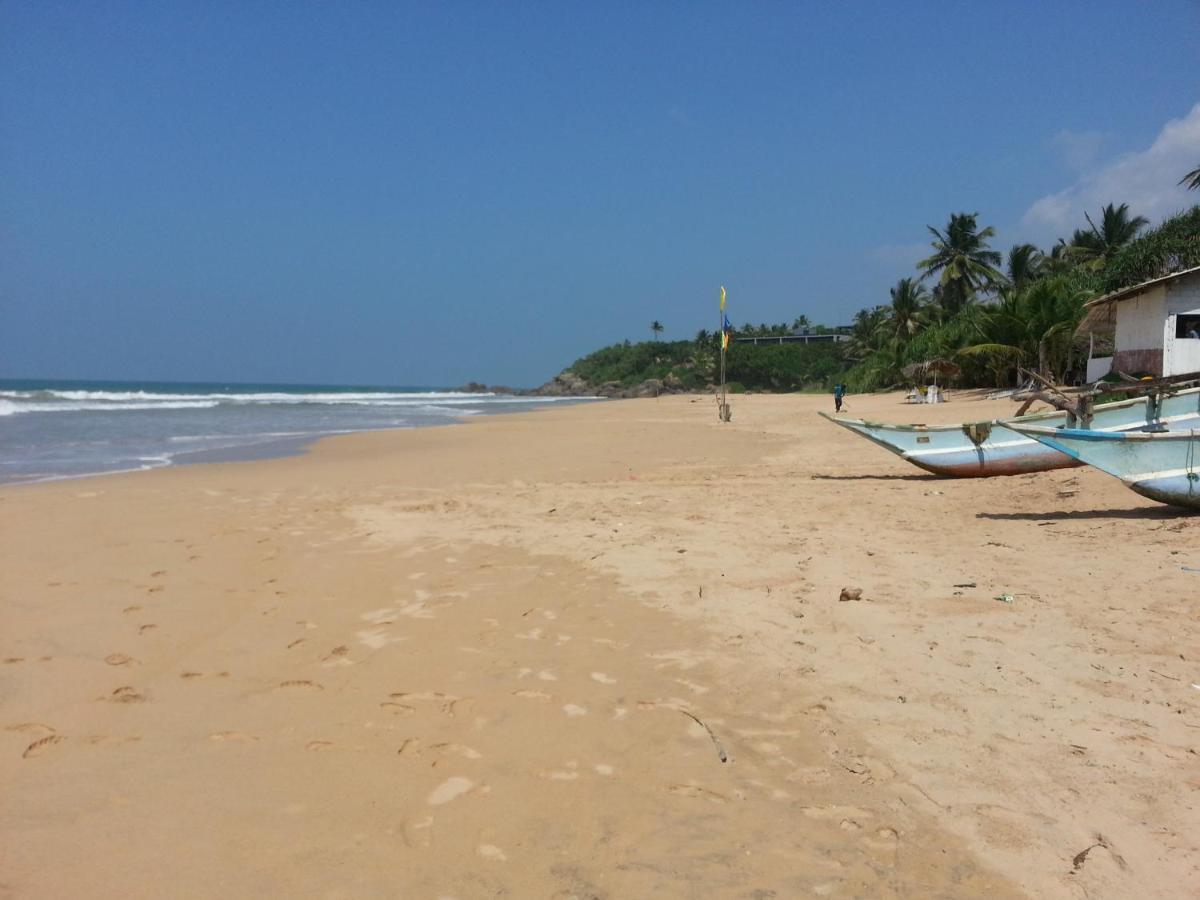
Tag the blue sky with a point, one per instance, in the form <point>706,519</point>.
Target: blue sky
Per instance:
<point>429,193</point>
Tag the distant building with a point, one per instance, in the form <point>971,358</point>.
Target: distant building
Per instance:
<point>1155,327</point>
<point>799,336</point>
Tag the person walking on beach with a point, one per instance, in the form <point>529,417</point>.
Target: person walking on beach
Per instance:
<point>839,391</point>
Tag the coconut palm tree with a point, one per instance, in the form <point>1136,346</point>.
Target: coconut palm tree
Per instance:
<point>966,263</point>
<point>868,332</point>
<point>1026,264</point>
<point>908,314</point>
<point>1115,231</point>
<point>657,328</point>
<point>1033,326</point>
<point>1192,179</point>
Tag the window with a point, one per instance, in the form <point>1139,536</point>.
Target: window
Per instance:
<point>1187,327</point>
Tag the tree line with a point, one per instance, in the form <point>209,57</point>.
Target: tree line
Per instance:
<point>993,314</point>
<point>989,313</point>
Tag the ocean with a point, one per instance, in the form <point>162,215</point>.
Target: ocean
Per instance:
<point>66,429</point>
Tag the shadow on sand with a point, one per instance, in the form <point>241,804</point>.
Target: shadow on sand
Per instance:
<point>1151,513</point>
<point>926,477</point>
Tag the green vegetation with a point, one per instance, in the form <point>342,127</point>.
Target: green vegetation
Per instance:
<point>990,322</point>
<point>693,365</point>
<point>966,303</point>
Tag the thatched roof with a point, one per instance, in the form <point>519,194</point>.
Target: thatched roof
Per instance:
<point>939,366</point>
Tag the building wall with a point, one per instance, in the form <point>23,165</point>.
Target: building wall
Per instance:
<point>1181,355</point>
<point>1140,332</point>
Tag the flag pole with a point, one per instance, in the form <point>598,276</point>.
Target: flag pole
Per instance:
<point>723,410</point>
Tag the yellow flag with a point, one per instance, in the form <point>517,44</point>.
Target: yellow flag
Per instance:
<point>724,340</point>
<point>722,298</point>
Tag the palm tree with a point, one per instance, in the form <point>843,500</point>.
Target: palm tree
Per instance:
<point>1032,326</point>
<point>1192,178</point>
<point>800,323</point>
<point>868,333</point>
<point>657,328</point>
<point>1060,259</point>
<point>703,338</point>
<point>966,263</point>
<point>1026,264</point>
<point>907,315</point>
<point>1116,230</point>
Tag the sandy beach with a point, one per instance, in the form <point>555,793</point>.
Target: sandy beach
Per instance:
<point>596,652</point>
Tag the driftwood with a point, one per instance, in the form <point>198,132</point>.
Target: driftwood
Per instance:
<point>1078,402</point>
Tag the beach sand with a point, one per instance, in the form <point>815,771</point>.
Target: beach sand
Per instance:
<point>599,651</point>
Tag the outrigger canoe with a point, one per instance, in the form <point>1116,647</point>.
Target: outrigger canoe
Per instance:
<point>985,449</point>
<point>1163,467</point>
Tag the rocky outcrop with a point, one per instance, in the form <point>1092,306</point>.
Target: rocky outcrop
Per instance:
<point>565,384</point>
<point>568,384</point>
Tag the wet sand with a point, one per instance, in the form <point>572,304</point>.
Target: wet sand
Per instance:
<point>599,652</point>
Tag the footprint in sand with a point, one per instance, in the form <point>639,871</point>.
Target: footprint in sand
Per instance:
<point>845,813</point>
<point>119,659</point>
<point>809,775</point>
<point>456,749</point>
<point>533,695</point>
<point>235,736</point>
<point>304,684</point>
<point>696,792</point>
<point>142,629</point>
<point>416,834</point>
<point>692,686</point>
<point>385,616</point>
<point>296,643</point>
<point>41,745</point>
<point>397,709</point>
<point>131,609</point>
<point>450,789</point>
<point>409,747</point>
<point>447,703</point>
<point>126,694</point>
<point>109,740</point>
<point>337,657</point>
<point>377,638</point>
<point>29,726</point>
<point>10,660</point>
<point>318,745</point>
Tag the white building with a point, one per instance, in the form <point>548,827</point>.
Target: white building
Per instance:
<point>1155,326</point>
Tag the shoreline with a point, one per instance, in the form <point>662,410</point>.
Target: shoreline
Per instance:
<point>631,556</point>
<point>275,446</point>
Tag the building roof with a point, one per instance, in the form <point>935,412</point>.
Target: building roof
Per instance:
<point>1099,316</point>
<point>1126,293</point>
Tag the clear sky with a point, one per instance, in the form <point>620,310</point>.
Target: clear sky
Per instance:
<point>425,193</point>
